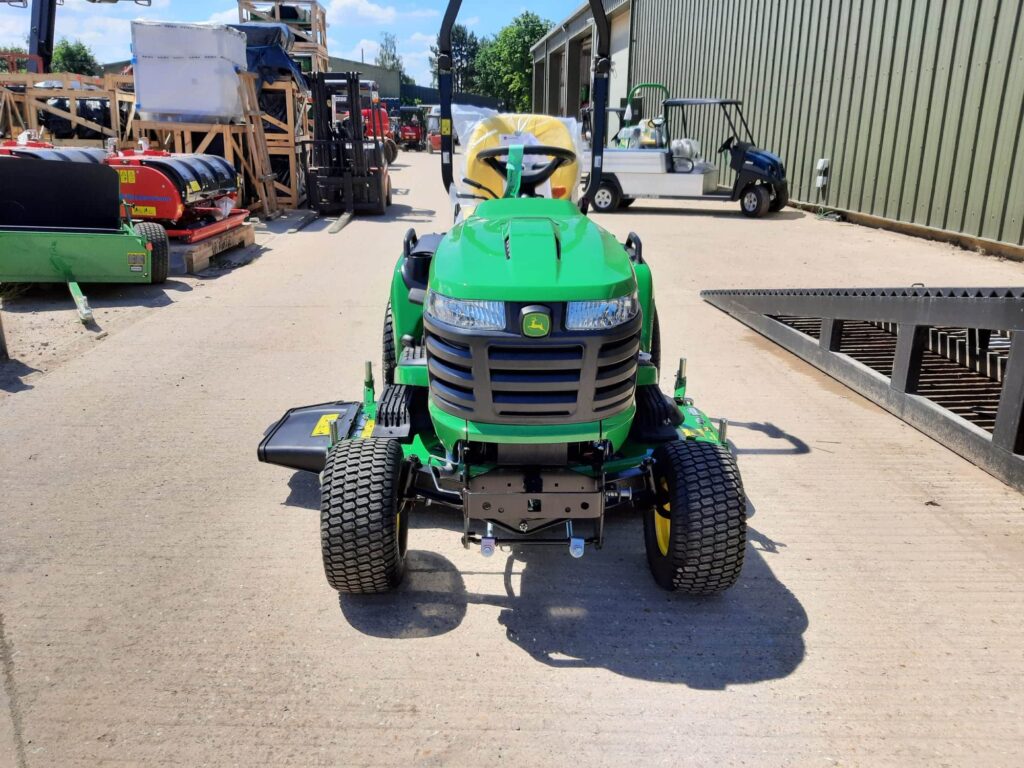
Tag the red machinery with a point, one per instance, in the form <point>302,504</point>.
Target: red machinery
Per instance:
<point>412,128</point>
<point>192,196</point>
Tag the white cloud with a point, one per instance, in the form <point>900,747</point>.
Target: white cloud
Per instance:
<point>472,21</point>
<point>364,50</point>
<point>344,11</point>
<point>422,39</point>
<point>230,16</point>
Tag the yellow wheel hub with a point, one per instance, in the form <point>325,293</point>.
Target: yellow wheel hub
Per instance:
<point>663,523</point>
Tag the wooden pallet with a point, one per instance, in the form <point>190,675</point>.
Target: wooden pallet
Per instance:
<point>197,256</point>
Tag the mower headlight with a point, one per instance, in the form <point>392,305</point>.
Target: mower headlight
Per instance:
<point>598,315</point>
<point>467,314</point>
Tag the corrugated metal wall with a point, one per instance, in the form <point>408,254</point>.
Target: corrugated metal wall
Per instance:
<point>918,104</point>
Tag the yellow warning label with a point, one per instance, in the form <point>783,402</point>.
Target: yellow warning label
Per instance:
<point>446,127</point>
<point>323,427</point>
<point>194,186</point>
<point>143,210</point>
<point>368,429</point>
<point>126,176</point>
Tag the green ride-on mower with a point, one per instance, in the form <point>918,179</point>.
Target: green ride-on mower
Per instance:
<point>520,388</point>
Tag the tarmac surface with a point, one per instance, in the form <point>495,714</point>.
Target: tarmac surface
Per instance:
<point>162,600</point>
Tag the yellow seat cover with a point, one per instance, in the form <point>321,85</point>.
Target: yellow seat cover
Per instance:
<point>550,131</point>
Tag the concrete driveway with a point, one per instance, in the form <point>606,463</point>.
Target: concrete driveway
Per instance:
<point>162,599</point>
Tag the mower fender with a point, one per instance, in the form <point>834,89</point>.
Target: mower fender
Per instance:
<point>300,438</point>
<point>645,293</point>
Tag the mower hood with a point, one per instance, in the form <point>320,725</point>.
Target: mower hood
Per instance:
<point>530,249</point>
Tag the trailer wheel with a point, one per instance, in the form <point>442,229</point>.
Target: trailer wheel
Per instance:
<point>363,526</point>
<point>779,201</point>
<point>607,198</point>
<point>695,535</point>
<point>389,362</point>
<point>156,236</point>
<point>755,200</point>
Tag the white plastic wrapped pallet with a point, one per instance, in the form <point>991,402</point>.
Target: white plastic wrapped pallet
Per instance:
<point>187,72</point>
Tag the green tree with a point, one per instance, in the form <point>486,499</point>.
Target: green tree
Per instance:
<point>504,67</point>
<point>74,57</point>
<point>465,48</point>
<point>387,54</point>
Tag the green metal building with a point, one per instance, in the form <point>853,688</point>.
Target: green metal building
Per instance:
<point>917,105</point>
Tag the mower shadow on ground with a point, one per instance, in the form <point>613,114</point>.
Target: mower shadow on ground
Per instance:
<point>12,375</point>
<point>606,612</point>
<point>797,446</point>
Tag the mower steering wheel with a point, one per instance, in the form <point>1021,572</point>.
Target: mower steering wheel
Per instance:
<point>727,145</point>
<point>532,179</point>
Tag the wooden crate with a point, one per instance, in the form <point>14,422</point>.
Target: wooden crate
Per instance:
<point>244,146</point>
<point>22,103</point>
<point>310,31</point>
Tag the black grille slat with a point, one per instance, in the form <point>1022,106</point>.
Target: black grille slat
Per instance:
<point>505,377</point>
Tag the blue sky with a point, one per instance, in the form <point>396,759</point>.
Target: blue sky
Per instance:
<point>354,25</point>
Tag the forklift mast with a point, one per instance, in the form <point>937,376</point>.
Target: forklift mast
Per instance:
<point>41,29</point>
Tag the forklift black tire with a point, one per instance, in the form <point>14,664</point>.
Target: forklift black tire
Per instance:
<point>389,362</point>
<point>607,198</point>
<point>390,151</point>
<point>695,535</point>
<point>381,206</point>
<point>755,201</point>
<point>779,201</point>
<point>160,256</point>
<point>363,529</point>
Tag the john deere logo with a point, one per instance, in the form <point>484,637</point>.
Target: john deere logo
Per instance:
<point>536,323</point>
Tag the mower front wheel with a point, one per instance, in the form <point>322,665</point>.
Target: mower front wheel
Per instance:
<point>695,534</point>
<point>755,201</point>
<point>156,237</point>
<point>364,529</point>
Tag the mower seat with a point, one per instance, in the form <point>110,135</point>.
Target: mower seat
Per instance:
<point>418,253</point>
<point>507,129</point>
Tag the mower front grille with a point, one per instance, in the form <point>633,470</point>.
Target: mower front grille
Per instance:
<point>505,378</point>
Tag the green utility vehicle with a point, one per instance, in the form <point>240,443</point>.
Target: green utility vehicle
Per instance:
<point>520,387</point>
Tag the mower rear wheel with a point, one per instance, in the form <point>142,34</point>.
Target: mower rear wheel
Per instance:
<point>156,236</point>
<point>755,201</point>
<point>389,362</point>
<point>607,198</point>
<point>364,529</point>
<point>695,535</point>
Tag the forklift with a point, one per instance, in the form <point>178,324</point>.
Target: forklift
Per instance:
<point>346,169</point>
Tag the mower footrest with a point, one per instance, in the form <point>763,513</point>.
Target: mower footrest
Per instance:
<point>300,439</point>
<point>393,411</point>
